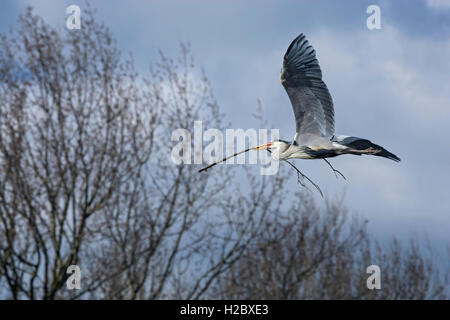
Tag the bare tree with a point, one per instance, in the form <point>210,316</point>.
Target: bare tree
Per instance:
<point>74,129</point>
<point>324,254</point>
<point>86,176</point>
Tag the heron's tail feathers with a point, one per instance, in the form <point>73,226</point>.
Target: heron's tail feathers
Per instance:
<point>360,146</point>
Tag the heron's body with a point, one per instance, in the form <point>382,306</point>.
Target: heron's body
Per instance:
<point>314,112</point>
<point>321,148</point>
<point>314,116</point>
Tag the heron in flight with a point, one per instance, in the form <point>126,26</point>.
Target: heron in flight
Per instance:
<point>314,115</point>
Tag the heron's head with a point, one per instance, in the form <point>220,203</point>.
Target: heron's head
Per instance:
<point>276,147</point>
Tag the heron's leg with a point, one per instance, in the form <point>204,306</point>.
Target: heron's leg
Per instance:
<point>369,150</point>
<point>334,170</point>
<point>300,174</point>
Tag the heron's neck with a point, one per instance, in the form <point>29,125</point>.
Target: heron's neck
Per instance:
<point>288,150</point>
<point>294,151</point>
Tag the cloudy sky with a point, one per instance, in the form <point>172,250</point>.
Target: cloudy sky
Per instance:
<point>391,85</point>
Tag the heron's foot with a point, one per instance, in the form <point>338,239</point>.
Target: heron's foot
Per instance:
<point>336,172</point>
<point>301,175</point>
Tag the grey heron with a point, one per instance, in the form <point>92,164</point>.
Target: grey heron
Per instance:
<point>314,115</point>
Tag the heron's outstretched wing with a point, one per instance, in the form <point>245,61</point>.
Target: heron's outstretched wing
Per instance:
<point>311,101</point>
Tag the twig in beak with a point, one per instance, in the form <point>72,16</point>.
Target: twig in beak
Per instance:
<point>225,159</point>
<point>261,147</point>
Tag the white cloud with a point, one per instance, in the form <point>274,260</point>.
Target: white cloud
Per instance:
<point>409,72</point>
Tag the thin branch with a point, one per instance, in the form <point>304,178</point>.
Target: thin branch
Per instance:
<point>299,173</point>
<point>225,159</point>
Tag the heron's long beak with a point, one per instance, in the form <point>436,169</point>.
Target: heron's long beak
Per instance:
<point>264,146</point>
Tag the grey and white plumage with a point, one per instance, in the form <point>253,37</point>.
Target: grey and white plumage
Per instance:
<point>314,112</point>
